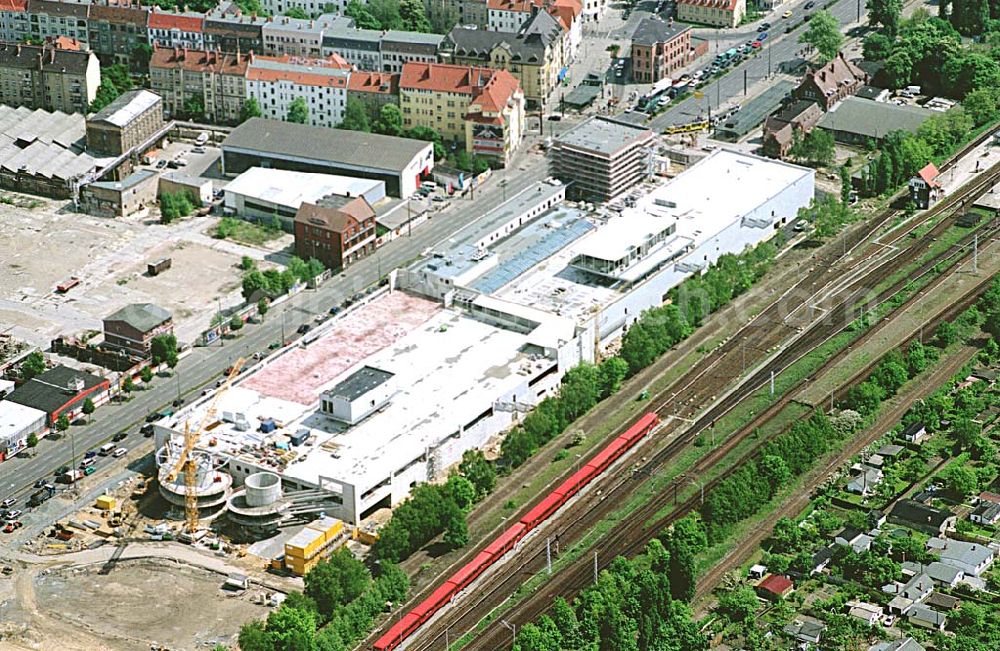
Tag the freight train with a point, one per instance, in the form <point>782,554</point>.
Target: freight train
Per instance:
<point>408,624</point>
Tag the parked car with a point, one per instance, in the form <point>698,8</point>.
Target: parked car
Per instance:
<point>302,329</point>
<point>41,481</point>
<point>146,430</point>
<point>11,526</point>
<point>89,454</point>
<point>10,501</point>
<point>762,37</point>
<point>12,515</point>
<point>161,164</point>
<point>119,452</point>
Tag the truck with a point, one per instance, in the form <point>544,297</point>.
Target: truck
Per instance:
<point>71,476</point>
<point>41,495</point>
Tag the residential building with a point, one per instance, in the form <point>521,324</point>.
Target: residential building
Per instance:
<point>831,83</point>
<point>295,36</point>
<point>775,586</point>
<point>865,482</point>
<point>867,612</point>
<point>374,90</point>
<point>821,559</point>
<point>925,187</point>
<point>534,55</point>
<point>569,14</point>
<point>229,30</point>
<point>905,644</point>
<point>210,80</point>
<point>126,124</point>
<point>594,10</point>
<point>276,82</point>
<point>494,123</point>
<point>508,15</point>
<point>857,540</point>
<point>132,195</point>
<point>781,128</point>
<point>806,630</point>
<point>312,7</point>
<point>14,24</point>
<point>359,47</point>
<point>659,49</point>
<point>336,230</point>
<point>176,30</point>
<point>860,122</point>
<point>401,162</point>
<point>43,76</point>
<point>61,390</point>
<point>53,18</point>
<point>397,48</point>
<point>464,12</point>
<point>924,617</point>
<point>921,517</point>
<point>971,558</point>
<point>915,590</point>
<point>717,13</point>
<point>116,28</point>
<point>601,158</point>
<point>133,328</point>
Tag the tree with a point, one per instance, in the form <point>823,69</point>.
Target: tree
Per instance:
<point>390,120</point>
<point>33,365</point>
<point>982,105</point>
<point>88,407</point>
<point>128,385</point>
<point>912,469</point>
<point>414,16</point>
<point>62,423</point>
<point>967,433</point>
<point>32,440</point>
<point>457,531</point>
<point>236,323</point>
<point>250,109</point>
<point>174,206</point>
<point>141,54</point>
<point>817,147</point>
<point>263,306</point>
<point>115,80</point>
<point>297,12</point>
<point>885,13</point>
<point>970,17</point>
<point>479,471</point>
<point>898,69</point>
<point>824,35</point>
<point>163,349</point>
<point>291,629</point>
<point>336,581</point>
<point>253,637</point>
<point>363,18</point>
<point>738,605</point>
<point>146,374</point>
<point>194,107</point>
<point>846,186</point>
<point>946,334</point>
<point>877,47</point>
<point>355,116</point>
<point>613,371</point>
<point>298,111</point>
<point>959,479</point>
<point>774,471</point>
<point>462,491</point>
<point>786,537</point>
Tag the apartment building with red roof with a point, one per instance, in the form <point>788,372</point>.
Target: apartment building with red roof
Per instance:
<point>176,30</point>
<point>478,107</point>
<point>199,84</point>
<point>276,81</point>
<point>717,13</point>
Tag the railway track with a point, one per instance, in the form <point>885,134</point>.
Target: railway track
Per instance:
<point>878,260</point>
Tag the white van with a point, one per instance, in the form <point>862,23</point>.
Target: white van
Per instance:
<point>119,452</point>
<point>86,463</point>
<point>106,449</point>
<point>201,139</point>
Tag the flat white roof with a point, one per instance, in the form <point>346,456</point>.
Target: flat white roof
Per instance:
<point>288,188</point>
<point>622,234</point>
<point>15,417</point>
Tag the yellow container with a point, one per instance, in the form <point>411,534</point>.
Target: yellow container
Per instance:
<point>329,526</point>
<point>305,543</point>
<point>300,566</point>
<point>105,503</point>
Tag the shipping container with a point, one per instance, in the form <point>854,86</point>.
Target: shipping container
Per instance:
<point>158,267</point>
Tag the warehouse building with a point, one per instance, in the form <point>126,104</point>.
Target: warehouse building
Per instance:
<point>857,121</point>
<point>61,390</point>
<point>134,121</point>
<point>400,164</point>
<point>132,195</point>
<point>133,328</point>
<point>17,423</point>
<point>601,158</point>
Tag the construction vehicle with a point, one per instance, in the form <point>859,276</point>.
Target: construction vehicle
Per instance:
<point>185,461</point>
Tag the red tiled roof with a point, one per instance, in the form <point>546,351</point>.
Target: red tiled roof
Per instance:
<point>337,219</point>
<point>163,20</point>
<point>120,12</point>
<point>929,175</point>
<point>200,61</point>
<point>728,5</point>
<point>990,497</point>
<point>300,70</point>
<point>776,584</point>
<point>443,78</point>
<point>383,83</point>
<point>565,11</point>
<point>13,5</point>
<point>496,93</point>
<point>512,5</point>
<point>64,43</point>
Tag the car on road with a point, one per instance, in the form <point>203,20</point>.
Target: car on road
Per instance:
<point>789,29</point>
<point>89,470</point>
<point>809,5</point>
<point>119,452</point>
<point>89,454</point>
<point>755,45</point>
<point>302,329</point>
<point>762,37</point>
<point>335,310</point>
<point>11,526</point>
<point>889,620</point>
<point>79,421</point>
<point>120,436</point>
<point>800,225</point>
<point>787,14</point>
<point>10,501</point>
<point>763,27</point>
<point>807,17</point>
<point>13,515</point>
<point>146,430</point>
<point>41,481</point>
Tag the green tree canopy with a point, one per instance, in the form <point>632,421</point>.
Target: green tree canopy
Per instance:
<point>355,116</point>
<point>250,109</point>
<point>298,111</point>
<point>824,35</point>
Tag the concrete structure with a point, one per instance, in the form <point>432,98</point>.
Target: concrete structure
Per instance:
<point>276,82</point>
<point>54,18</point>
<point>717,13</point>
<point>17,423</point>
<point>659,49</point>
<point>61,390</point>
<point>134,327</point>
<point>336,230</point>
<point>534,54</point>
<point>133,194</point>
<point>359,395</point>
<point>831,83</point>
<point>176,30</point>
<point>401,162</point>
<point>127,123</point>
<point>857,121</point>
<point>374,90</point>
<point>116,28</point>
<point>602,158</point>
<point>44,76</point>
<point>213,81</point>
<point>261,193</point>
<point>780,129</point>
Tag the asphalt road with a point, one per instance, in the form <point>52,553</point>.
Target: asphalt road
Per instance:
<point>204,365</point>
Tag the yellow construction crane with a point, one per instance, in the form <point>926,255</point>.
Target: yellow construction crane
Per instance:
<point>186,462</point>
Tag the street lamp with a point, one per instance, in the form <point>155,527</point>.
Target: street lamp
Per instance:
<point>513,630</point>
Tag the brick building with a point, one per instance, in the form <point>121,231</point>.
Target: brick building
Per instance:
<point>659,49</point>
<point>116,28</point>
<point>187,78</point>
<point>831,83</point>
<point>132,328</point>
<point>336,230</point>
<point>61,390</point>
<point>374,90</point>
<point>779,129</point>
<point>125,124</point>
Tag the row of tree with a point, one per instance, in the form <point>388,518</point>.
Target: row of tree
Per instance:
<point>272,283</point>
<point>337,609</point>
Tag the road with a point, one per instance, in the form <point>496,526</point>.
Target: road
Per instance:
<point>204,365</point>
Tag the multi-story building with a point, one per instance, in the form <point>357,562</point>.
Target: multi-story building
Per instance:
<point>125,124</point>
<point>463,12</point>
<point>133,328</point>
<point>833,82</point>
<point>117,28</point>
<point>508,15</point>
<point>172,30</point>
<point>295,36</point>
<point>659,49</point>
<point>359,47</point>
<point>478,107</point>
<point>43,76</point>
<point>14,24</point>
<point>374,90</point>
<point>52,18</point>
<point>397,48</point>
<point>211,80</point>
<point>601,158</point>
<point>594,10</point>
<point>718,13</point>
<point>335,230</point>
<point>511,15</point>
<point>229,30</point>
<point>275,82</point>
<point>534,55</point>
<point>569,14</point>
<point>313,8</point>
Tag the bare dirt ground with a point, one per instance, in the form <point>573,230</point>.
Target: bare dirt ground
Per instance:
<point>138,603</point>
<point>45,243</point>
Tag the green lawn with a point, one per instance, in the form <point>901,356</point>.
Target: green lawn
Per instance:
<point>245,232</point>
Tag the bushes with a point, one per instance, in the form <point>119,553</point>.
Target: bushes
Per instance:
<point>175,206</point>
